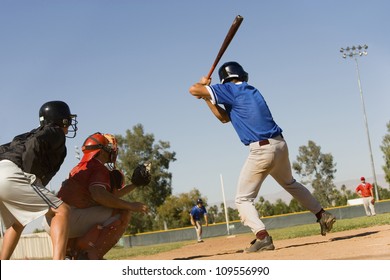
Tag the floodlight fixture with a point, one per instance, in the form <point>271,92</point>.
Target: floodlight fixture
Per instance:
<point>352,53</point>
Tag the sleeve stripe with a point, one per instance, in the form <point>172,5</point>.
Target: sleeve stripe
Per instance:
<point>213,96</point>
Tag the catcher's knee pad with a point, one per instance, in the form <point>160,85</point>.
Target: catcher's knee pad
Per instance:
<point>89,239</point>
<point>101,238</point>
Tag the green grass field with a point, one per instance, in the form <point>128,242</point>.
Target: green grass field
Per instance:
<point>118,253</point>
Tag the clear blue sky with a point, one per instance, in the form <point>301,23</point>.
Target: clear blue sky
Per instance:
<point>120,63</point>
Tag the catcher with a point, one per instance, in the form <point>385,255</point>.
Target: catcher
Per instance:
<point>98,216</point>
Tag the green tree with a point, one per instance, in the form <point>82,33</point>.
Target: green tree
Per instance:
<point>138,147</point>
<point>232,214</point>
<point>317,169</point>
<point>294,206</point>
<point>338,198</point>
<point>349,194</point>
<point>280,207</point>
<point>213,214</point>
<point>384,193</point>
<point>264,207</point>
<point>385,147</point>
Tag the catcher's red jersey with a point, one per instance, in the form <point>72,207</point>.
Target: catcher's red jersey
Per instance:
<point>75,190</point>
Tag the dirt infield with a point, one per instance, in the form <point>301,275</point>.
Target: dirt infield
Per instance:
<point>371,243</point>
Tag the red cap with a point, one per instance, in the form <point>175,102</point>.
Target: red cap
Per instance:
<point>362,179</point>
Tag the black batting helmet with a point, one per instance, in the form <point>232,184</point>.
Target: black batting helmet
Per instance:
<point>231,70</point>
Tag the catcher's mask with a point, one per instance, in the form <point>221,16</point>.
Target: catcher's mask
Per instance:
<point>114,150</point>
<point>94,144</point>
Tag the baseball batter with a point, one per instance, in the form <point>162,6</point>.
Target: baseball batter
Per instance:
<point>244,106</point>
<point>365,191</point>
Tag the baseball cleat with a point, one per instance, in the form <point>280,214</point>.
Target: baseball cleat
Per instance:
<point>258,245</point>
<point>326,222</point>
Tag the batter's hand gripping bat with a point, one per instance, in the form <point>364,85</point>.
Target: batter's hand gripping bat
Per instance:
<point>229,36</point>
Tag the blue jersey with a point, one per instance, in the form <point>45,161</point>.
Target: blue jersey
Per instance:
<point>247,110</point>
<point>198,212</point>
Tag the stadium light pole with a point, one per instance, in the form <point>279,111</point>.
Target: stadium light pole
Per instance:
<point>354,52</point>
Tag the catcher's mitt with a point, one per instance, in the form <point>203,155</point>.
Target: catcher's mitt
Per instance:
<point>373,201</point>
<point>141,175</point>
<point>117,179</point>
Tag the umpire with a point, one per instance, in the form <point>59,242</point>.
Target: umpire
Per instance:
<point>27,164</point>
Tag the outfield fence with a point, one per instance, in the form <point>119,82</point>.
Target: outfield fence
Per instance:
<point>39,246</point>
<point>33,246</point>
<point>235,227</point>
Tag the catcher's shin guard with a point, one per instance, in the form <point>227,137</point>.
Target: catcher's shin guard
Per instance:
<point>89,239</point>
<point>101,238</point>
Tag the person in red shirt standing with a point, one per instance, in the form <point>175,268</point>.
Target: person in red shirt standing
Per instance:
<point>364,190</point>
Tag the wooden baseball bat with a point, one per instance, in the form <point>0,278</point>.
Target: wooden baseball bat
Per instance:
<point>229,36</point>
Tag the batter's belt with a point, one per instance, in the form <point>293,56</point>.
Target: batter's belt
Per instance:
<point>266,141</point>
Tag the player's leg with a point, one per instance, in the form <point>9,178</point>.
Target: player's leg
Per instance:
<point>366,202</point>
<point>11,192</point>
<point>372,207</point>
<point>21,201</point>
<point>58,213</point>
<point>256,168</point>
<point>102,237</point>
<point>196,231</point>
<point>80,222</point>
<point>199,230</point>
<point>253,173</point>
<point>282,173</point>
<point>59,230</point>
<point>10,240</point>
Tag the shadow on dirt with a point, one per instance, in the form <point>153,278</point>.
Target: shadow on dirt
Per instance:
<point>354,236</point>
<point>211,255</point>
<point>332,239</point>
<point>347,237</point>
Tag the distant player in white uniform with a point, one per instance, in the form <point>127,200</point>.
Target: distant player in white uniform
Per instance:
<point>245,107</point>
